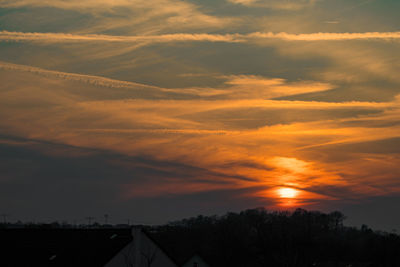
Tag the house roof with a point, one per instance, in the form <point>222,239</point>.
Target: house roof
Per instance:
<point>61,247</point>
<point>160,246</point>
<point>192,256</point>
<point>177,251</point>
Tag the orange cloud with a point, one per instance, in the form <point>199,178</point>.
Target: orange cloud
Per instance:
<point>262,87</point>
<point>54,106</point>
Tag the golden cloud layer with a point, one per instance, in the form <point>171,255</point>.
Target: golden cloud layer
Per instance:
<point>53,106</point>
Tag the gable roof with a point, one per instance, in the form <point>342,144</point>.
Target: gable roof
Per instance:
<point>192,256</point>
<point>160,246</point>
<point>174,249</point>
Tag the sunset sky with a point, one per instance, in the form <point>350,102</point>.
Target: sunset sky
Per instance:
<point>155,110</point>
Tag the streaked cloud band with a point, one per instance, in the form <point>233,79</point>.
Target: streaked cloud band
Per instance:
<point>90,79</point>
<point>65,37</point>
<point>186,37</point>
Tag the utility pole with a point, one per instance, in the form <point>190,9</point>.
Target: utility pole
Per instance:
<point>89,218</point>
<point>106,218</point>
<point>4,215</point>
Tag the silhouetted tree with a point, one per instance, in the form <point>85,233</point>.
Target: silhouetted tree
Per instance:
<point>300,238</point>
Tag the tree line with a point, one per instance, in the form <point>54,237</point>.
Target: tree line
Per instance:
<point>257,237</point>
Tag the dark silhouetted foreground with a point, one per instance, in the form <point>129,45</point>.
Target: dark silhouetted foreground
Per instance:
<point>250,238</point>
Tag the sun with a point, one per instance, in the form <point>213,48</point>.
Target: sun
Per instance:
<point>286,192</point>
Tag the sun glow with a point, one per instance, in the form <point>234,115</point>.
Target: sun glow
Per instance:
<point>286,192</point>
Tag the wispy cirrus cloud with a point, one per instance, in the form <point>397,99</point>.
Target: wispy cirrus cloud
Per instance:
<point>201,37</point>
<point>65,37</point>
<point>266,88</point>
<point>262,87</point>
<point>327,36</point>
<point>71,4</point>
<point>276,4</point>
<point>133,15</point>
<point>90,79</point>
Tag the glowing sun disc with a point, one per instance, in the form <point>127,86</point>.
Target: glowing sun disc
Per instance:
<point>287,192</point>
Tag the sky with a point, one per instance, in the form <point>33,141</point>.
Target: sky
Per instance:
<point>156,110</point>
